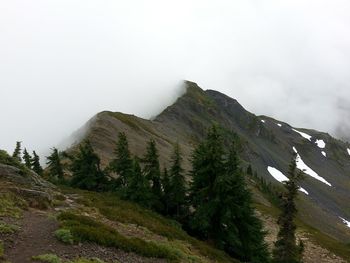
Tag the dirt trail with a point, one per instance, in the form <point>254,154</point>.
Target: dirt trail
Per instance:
<point>36,237</point>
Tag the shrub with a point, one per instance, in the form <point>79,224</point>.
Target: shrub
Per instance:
<point>7,228</point>
<point>2,250</point>
<point>49,258</point>
<point>64,235</point>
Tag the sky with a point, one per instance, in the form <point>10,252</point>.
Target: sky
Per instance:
<point>62,61</point>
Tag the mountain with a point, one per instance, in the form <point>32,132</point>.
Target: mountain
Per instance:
<point>266,143</point>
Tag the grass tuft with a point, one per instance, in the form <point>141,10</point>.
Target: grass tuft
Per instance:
<point>65,236</point>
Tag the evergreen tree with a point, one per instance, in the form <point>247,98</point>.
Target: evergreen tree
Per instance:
<point>27,159</point>
<point>122,164</point>
<point>177,185</point>
<point>54,164</point>
<point>152,173</point>
<point>166,191</point>
<point>139,189</point>
<point>17,152</point>
<point>36,166</point>
<point>87,173</point>
<point>286,250</point>
<point>249,170</point>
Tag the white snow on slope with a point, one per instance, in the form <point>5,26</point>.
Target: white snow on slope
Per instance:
<point>346,222</point>
<point>263,121</point>
<point>279,176</point>
<point>279,124</point>
<point>307,170</point>
<point>324,153</point>
<point>321,144</point>
<point>305,135</point>
<point>348,151</point>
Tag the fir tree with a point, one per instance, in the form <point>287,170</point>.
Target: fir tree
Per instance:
<point>54,164</point>
<point>27,159</point>
<point>152,173</point>
<point>36,164</point>
<point>166,191</point>
<point>177,185</point>
<point>139,189</point>
<point>87,173</point>
<point>17,152</point>
<point>122,164</point>
<point>286,250</point>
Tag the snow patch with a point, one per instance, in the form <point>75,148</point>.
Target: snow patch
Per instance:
<point>279,124</point>
<point>303,134</point>
<point>263,121</point>
<point>279,176</point>
<point>324,153</point>
<point>348,151</point>
<point>346,222</point>
<point>321,144</point>
<point>307,170</point>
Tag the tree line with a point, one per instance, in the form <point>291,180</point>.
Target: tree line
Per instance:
<point>214,205</point>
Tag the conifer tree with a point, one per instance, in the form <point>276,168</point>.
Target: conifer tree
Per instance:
<point>139,189</point>
<point>87,173</point>
<point>249,170</point>
<point>286,249</point>
<point>54,164</point>
<point>166,191</point>
<point>27,159</point>
<point>177,185</point>
<point>152,173</point>
<point>17,152</point>
<point>122,164</point>
<point>36,166</point>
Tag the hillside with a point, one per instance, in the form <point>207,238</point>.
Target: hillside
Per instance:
<point>267,144</point>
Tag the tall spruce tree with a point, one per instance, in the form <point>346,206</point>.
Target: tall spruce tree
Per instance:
<point>122,164</point>
<point>166,191</point>
<point>87,173</point>
<point>177,185</point>
<point>151,171</point>
<point>36,166</point>
<point>222,203</point>
<point>54,164</point>
<point>27,159</point>
<point>286,248</point>
<point>139,189</point>
<point>17,152</point>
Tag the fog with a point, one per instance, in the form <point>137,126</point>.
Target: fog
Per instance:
<point>62,61</point>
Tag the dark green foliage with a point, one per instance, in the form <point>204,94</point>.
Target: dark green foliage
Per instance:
<point>5,158</point>
<point>36,166</point>
<point>87,173</point>
<point>177,191</point>
<point>122,164</point>
<point>166,191</point>
<point>138,189</point>
<point>54,165</point>
<point>286,250</point>
<point>249,170</point>
<point>222,202</point>
<point>152,173</point>
<point>87,229</point>
<point>17,152</point>
<point>27,159</point>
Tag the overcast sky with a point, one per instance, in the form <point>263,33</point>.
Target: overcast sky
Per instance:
<point>62,61</point>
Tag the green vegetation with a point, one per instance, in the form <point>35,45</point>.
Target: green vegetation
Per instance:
<point>11,205</point>
<point>87,229</point>
<point>27,159</point>
<point>64,235</point>
<point>17,152</point>
<point>222,203</point>
<point>2,250</point>
<point>286,250</point>
<point>36,166</point>
<point>8,228</point>
<point>5,158</point>
<point>49,258</point>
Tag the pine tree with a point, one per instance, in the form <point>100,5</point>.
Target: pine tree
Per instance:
<point>237,230</point>
<point>152,173</point>
<point>286,250</point>
<point>36,166</point>
<point>139,189</point>
<point>177,185</point>
<point>54,165</point>
<point>122,164</point>
<point>27,159</point>
<point>17,152</point>
<point>87,173</point>
<point>166,191</point>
